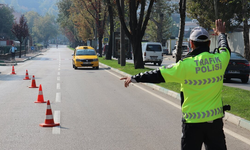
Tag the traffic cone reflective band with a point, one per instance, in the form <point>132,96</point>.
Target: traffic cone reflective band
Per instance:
<point>49,121</point>
<point>33,83</point>
<point>27,76</point>
<point>40,98</point>
<point>13,70</point>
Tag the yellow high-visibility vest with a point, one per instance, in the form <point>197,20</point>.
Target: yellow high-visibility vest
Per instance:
<point>201,79</point>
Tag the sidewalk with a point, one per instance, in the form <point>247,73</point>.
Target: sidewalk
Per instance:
<point>22,59</point>
<point>228,117</point>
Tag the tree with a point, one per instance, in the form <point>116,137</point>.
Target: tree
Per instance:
<point>111,19</point>
<point>159,30</point>
<point>83,21</point>
<point>137,25</point>
<point>160,23</point>
<point>204,12</point>
<point>182,9</point>
<point>234,13</point>
<point>245,17</point>
<point>94,9</point>
<point>31,17</point>
<point>45,28</point>
<point>21,31</point>
<point>6,22</point>
<point>66,23</point>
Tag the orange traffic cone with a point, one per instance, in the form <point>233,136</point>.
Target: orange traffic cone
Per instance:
<point>33,83</point>
<point>27,76</point>
<point>13,70</point>
<point>49,121</point>
<point>40,98</point>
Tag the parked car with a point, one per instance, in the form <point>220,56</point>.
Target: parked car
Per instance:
<point>85,56</point>
<point>165,51</point>
<point>238,67</point>
<point>185,50</point>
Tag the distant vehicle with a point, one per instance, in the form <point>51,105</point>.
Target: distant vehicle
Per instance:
<point>238,67</point>
<point>165,51</point>
<point>85,56</point>
<point>152,52</point>
<point>185,50</point>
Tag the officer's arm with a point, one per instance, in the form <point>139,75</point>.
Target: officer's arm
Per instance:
<point>153,76</point>
<point>222,43</point>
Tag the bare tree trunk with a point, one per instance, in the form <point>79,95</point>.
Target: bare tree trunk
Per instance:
<point>100,44</point>
<point>160,27</point>
<point>136,45</point>
<point>111,18</point>
<point>245,30</point>
<point>137,28</point>
<point>20,52</point>
<point>182,9</point>
<point>100,29</point>
<point>122,40</point>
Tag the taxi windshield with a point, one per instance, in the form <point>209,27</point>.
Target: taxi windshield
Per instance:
<point>85,52</point>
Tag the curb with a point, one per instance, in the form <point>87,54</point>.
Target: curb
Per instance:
<point>11,63</point>
<point>228,117</point>
<point>29,58</point>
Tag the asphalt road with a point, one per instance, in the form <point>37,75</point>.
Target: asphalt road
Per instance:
<point>94,109</point>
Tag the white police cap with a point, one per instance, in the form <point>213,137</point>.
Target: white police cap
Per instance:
<point>197,32</point>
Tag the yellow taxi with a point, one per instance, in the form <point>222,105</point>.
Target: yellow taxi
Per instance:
<point>85,56</point>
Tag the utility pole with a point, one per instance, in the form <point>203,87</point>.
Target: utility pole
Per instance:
<point>122,40</point>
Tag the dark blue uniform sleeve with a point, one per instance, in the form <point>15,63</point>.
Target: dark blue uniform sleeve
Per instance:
<point>153,76</point>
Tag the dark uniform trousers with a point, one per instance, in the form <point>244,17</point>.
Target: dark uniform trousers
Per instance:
<point>209,133</point>
<point>12,55</point>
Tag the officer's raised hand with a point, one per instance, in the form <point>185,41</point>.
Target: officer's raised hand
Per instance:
<point>220,27</point>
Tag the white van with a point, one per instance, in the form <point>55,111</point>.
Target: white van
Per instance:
<point>152,52</point>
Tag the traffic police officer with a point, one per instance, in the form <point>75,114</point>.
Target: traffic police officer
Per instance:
<point>201,77</point>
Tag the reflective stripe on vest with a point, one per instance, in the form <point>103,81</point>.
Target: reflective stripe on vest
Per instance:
<point>204,115</point>
<point>204,81</point>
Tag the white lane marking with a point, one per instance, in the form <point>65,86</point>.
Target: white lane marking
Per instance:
<point>164,99</point>
<point>59,69</point>
<point>57,129</point>
<point>58,73</point>
<point>242,138</point>
<point>58,97</point>
<point>58,78</point>
<point>58,86</point>
<point>233,134</point>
